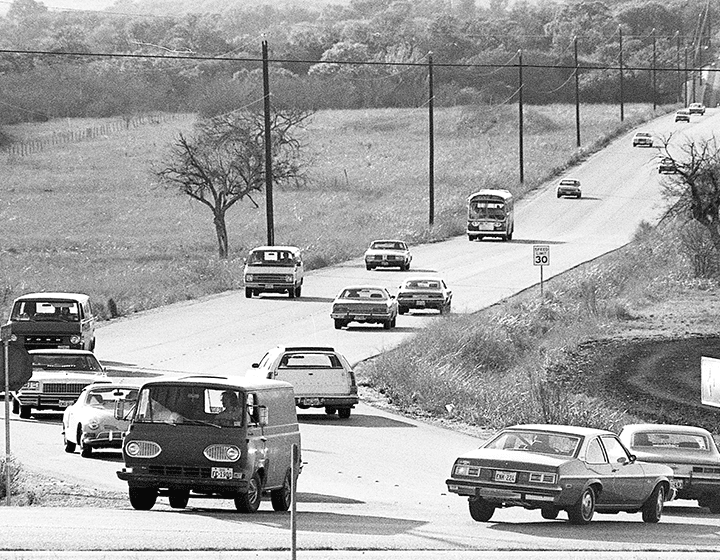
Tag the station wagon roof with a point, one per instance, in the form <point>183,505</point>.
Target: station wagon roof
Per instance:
<point>219,382</point>
<point>502,193</point>
<point>55,295</point>
<point>668,428</point>
<point>305,348</point>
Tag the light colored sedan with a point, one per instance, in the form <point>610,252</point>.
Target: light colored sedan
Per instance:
<point>90,422</point>
<point>388,253</point>
<point>364,304</point>
<point>424,293</point>
<point>569,187</point>
<point>690,452</point>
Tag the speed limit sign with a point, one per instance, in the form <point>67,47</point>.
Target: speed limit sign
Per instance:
<point>541,255</point>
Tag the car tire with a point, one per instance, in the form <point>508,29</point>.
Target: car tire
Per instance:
<point>402,309</point>
<point>559,195</point>
<point>330,410</point>
<point>387,325</point>
<point>581,513</point>
<point>509,236</point>
<point>281,498</point>
<point>549,512</point>
<point>344,413</point>
<point>480,510</point>
<point>178,498</point>
<point>368,267</point>
<point>15,407</point>
<point>393,323</point>
<point>25,411</point>
<point>142,498</point>
<point>298,291</point>
<point>69,445</point>
<point>471,238</point>
<point>248,292</point>
<point>653,508</point>
<point>249,501</point>
<point>339,324</point>
<point>291,292</point>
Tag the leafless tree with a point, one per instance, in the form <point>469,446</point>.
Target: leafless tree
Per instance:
<point>695,187</point>
<point>224,161</point>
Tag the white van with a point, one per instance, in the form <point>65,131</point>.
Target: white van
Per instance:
<point>320,376</point>
<point>274,269</point>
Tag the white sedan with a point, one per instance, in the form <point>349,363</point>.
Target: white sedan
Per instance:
<point>90,422</point>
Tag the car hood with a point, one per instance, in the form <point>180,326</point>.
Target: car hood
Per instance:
<point>514,459</point>
<point>396,252</point>
<point>87,413</point>
<point>64,375</point>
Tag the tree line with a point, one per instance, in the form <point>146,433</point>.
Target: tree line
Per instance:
<point>368,53</point>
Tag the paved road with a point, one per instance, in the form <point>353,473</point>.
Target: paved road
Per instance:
<point>374,482</point>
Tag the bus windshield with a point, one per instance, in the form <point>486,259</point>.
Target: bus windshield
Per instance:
<point>486,209</point>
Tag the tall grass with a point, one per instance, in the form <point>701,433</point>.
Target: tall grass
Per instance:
<point>506,364</point>
<point>90,216</point>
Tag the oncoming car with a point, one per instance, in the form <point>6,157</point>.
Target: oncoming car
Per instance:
<point>424,293</point>
<point>554,468</point>
<point>90,422</point>
<point>58,378</point>
<point>683,115</point>
<point>690,451</point>
<point>642,139</point>
<point>274,269</point>
<point>387,253</point>
<point>569,187</point>
<point>666,165</point>
<point>696,109</point>
<point>364,304</point>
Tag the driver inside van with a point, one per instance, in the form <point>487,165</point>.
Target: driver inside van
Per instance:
<point>231,411</point>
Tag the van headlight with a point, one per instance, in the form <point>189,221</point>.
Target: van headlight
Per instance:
<point>142,449</point>
<point>222,452</point>
<point>289,278</point>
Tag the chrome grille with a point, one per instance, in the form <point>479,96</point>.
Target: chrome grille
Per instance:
<point>63,388</point>
<point>269,278</point>
<point>179,471</point>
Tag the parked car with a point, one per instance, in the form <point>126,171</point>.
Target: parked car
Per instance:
<point>696,109</point>
<point>666,165</point>
<point>364,304</point>
<point>53,320</point>
<point>554,468</point>
<point>690,451</point>
<point>642,139</point>
<point>212,437</point>
<point>321,376</point>
<point>90,423</point>
<point>274,269</point>
<point>58,378</point>
<point>569,187</point>
<point>683,115</point>
<point>387,253</point>
<point>424,293</point>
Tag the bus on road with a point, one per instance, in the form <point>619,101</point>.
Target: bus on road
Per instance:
<point>491,213</point>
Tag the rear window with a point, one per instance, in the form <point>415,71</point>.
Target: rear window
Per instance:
<point>362,293</point>
<point>422,285</point>
<point>309,360</point>
<point>665,440</point>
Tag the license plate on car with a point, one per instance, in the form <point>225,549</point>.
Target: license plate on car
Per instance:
<point>420,303</point>
<point>269,286</point>
<point>486,227</point>
<point>310,401</point>
<point>225,473</point>
<point>505,476</point>
<point>65,403</point>
<point>359,317</point>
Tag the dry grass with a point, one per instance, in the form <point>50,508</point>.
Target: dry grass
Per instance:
<point>90,217</point>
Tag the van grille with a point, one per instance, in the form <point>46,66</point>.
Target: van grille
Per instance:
<point>179,471</point>
<point>270,278</point>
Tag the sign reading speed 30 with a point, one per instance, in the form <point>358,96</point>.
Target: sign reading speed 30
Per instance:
<point>541,255</point>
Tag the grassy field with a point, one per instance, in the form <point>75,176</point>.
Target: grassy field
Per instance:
<point>90,216</point>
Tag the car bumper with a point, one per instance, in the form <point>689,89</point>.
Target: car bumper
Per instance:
<point>525,496</point>
<point>568,192</point>
<point>344,402</point>
<point>362,317</point>
<point>44,401</point>
<point>104,440</point>
<point>385,263</point>
<point>145,479</point>
<point>422,303</point>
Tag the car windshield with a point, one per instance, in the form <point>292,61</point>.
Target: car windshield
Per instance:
<point>363,293</point>
<point>536,441</point>
<point>572,182</point>
<point>670,440</point>
<point>388,245</point>
<point>105,398</point>
<point>46,310</point>
<point>479,209</point>
<point>191,404</point>
<point>422,285</point>
<point>272,258</point>
<point>75,362</point>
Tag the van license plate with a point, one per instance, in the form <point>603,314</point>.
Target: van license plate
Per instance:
<point>504,476</point>
<point>225,473</point>
<point>310,402</point>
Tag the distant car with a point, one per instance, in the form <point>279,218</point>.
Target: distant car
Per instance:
<point>58,378</point>
<point>666,165</point>
<point>387,253</point>
<point>90,423</point>
<point>642,139</point>
<point>321,376</point>
<point>274,268</point>
<point>569,187</point>
<point>696,109</point>
<point>364,304</point>
<point>691,452</point>
<point>554,468</point>
<point>683,115</point>
<point>424,293</point>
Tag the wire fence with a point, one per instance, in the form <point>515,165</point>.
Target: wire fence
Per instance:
<point>58,138</point>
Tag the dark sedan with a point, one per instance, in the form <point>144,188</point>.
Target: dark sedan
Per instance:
<point>555,468</point>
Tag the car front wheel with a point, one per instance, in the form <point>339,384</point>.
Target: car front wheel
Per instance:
<point>480,510</point>
<point>344,412</point>
<point>281,498</point>
<point>143,498</point>
<point>339,324</point>
<point>652,509</point>
<point>69,445</point>
<point>249,502</point>
<point>581,513</point>
<point>178,498</point>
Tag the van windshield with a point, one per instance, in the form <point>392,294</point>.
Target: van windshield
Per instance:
<point>46,310</point>
<point>479,209</point>
<point>272,258</point>
<point>191,404</point>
